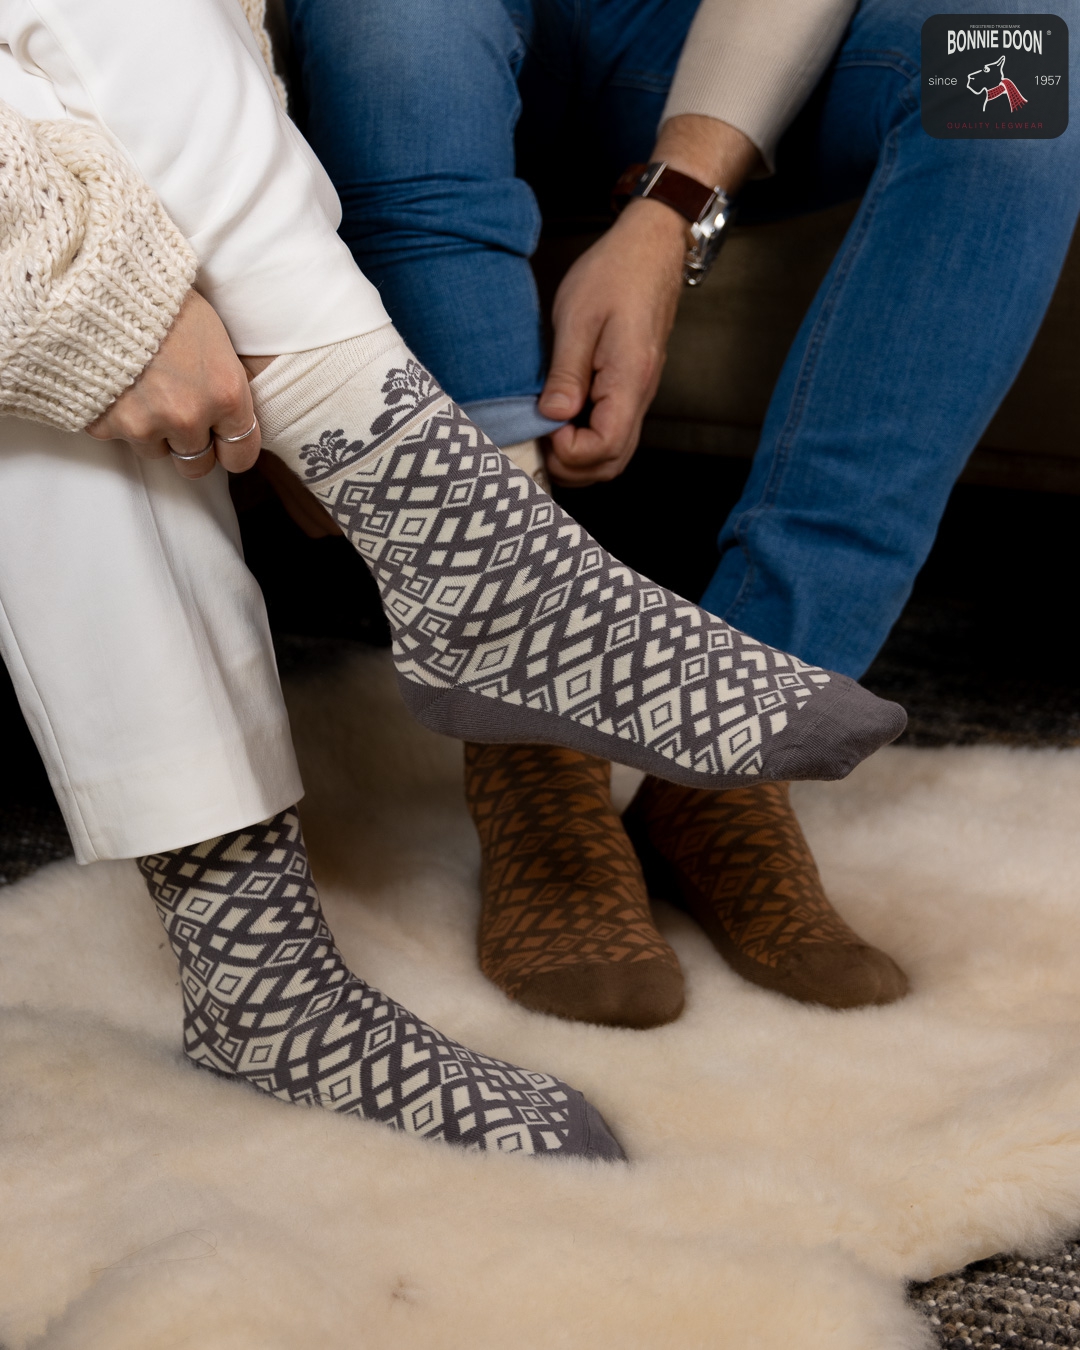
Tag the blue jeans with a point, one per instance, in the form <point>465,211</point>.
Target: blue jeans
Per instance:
<point>450,128</point>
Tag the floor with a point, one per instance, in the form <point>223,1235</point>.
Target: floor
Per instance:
<point>979,655</point>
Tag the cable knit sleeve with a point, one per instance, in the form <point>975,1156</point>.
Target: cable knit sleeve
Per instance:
<point>92,271</point>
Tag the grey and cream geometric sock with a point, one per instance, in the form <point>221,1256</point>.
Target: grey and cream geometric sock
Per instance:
<point>268,999</point>
<point>510,623</point>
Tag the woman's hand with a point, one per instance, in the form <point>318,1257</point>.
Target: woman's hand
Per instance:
<point>193,392</point>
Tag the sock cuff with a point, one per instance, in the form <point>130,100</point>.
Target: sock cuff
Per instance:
<point>294,384</point>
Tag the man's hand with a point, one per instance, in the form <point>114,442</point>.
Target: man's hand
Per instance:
<point>193,388</point>
<point>615,308</point>
<point>612,316</point>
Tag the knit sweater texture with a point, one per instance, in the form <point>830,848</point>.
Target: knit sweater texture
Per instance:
<point>92,269</point>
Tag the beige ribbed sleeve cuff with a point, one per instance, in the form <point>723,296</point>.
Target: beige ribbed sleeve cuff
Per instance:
<point>753,63</point>
<point>92,272</point>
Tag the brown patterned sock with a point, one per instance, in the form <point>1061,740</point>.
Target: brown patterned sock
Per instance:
<point>738,862</point>
<point>565,926</point>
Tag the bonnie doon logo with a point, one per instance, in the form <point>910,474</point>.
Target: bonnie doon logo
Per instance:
<point>973,99</point>
<point>993,73</point>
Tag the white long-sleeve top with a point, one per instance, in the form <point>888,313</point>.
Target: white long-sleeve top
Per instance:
<point>184,92</point>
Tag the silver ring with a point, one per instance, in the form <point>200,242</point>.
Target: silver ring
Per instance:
<point>232,439</point>
<point>186,459</point>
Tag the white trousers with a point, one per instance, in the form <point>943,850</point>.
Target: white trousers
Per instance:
<point>137,642</point>
<point>134,634</point>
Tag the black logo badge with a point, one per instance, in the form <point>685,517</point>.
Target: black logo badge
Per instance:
<point>995,76</point>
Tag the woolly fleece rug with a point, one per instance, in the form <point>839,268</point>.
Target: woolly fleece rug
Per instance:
<point>792,1167</point>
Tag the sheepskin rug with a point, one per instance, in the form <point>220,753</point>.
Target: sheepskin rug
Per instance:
<point>791,1166</point>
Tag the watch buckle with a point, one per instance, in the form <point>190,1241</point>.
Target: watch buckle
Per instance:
<point>707,234</point>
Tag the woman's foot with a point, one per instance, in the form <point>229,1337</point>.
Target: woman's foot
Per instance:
<point>511,624</point>
<point>565,926</point>
<point>267,998</point>
<point>738,862</point>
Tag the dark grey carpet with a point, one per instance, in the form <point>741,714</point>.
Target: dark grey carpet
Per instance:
<point>30,837</point>
<point>1004,1302</point>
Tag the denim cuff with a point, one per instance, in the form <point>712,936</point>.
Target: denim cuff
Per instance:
<point>510,420</point>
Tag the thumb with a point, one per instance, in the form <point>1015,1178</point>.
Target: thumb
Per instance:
<point>570,374</point>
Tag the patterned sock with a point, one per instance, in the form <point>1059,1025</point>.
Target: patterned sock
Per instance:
<point>738,862</point>
<point>267,998</point>
<point>565,926</point>
<point>510,623</point>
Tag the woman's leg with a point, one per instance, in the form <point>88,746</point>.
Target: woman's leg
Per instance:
<point>268,999</point>
<point>138,644</point>
<point>510,623</point>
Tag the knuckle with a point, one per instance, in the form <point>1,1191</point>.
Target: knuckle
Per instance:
<point>650,363</point>
<point>138,429</point>
<point>231,394</point>
<point>187,425</point>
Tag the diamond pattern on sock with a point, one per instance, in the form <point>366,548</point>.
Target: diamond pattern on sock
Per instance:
<point>565,925</point>
<point>739,863</point>
<point>268,998</point>
<point>512,624</point>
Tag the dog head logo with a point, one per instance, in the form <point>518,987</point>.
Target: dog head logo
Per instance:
<point>991,82</point>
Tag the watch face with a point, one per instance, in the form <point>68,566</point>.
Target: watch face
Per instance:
<point>995,76</point>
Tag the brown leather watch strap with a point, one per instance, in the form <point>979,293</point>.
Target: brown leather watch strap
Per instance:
<point>664,184</point>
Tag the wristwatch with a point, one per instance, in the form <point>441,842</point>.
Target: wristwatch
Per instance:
<point>707,210</point>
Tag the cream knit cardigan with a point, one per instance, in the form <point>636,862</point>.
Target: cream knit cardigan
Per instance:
<point>92,270</point>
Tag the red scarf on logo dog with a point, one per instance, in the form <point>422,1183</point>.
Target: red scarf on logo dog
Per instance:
<point>1016,98</point>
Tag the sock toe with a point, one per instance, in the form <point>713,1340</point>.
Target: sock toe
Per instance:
<point>841,976</point>
<point>599,1141</point>
<point>853,724</point>
<point>636,994</point>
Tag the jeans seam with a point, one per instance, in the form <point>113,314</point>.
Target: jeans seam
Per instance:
<point>643,80</point>
<point>807,371</point>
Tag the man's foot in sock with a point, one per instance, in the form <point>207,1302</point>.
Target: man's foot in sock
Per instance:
<point>565,926</point>
<point>511,624</point>
<point>267,998</point>
<point>738,862</point>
